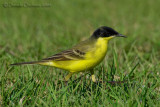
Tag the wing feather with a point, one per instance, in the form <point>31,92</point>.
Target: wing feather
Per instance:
<point>78,52</point>
<point>67,55</point>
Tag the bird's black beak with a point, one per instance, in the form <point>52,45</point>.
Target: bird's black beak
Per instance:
<point>120,35</point>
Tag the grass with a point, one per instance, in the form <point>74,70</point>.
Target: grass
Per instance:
<point>33,33</point>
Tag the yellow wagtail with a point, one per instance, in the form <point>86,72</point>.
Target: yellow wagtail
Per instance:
<point>83,56</point>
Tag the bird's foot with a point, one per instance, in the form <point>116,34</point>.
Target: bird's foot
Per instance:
<point>94,78</point>
<point>68,76</point>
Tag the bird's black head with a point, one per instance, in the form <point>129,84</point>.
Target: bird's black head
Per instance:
<point>105,32</point>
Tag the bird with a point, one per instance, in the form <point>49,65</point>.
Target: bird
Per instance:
<point>81,57</point>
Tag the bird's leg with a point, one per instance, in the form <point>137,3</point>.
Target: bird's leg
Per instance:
<point>68,76</point>
<point>93,76</point>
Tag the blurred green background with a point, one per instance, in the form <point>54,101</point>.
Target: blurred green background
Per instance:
<point>32,30</point>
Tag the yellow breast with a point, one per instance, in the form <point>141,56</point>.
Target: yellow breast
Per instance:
<point>98,54</point>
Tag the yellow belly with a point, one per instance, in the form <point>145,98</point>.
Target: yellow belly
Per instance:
<point>76,65</point>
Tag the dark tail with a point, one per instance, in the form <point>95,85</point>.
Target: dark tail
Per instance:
<point>24,63</point>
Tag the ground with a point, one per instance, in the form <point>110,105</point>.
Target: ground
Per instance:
<point>29,33</point>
